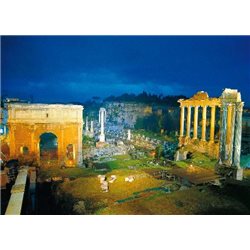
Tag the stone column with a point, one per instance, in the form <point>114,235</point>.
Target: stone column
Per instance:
<point>238,131</point>
<point>204,123</point>
<point>223,128</point>
<point>87,126</point>
<point>230,133</point>
<point>79,146</point>
<point>182,121</point>
<point>188,121</point>
<point>212,123</point>
<point>196,109</point>
<point>102,119</point>
<point>32,139</point>
<point>12,144</point>
<point>61,147</point>
<point>91,127</point>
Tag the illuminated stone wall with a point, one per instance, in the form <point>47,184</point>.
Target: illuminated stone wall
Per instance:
<point>201,101</point>
<point>228,149</point>
<point>27,122</point>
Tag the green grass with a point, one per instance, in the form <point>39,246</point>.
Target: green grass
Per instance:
<point>86,187</point>
<point>67,172</point>
<point>198,159</point>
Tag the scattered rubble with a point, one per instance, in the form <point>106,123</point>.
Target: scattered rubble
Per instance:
<point>129,178</point>
<point>79,207</point>
<point>112,178</point>
<point>102,178</point>
<point>105,186</point>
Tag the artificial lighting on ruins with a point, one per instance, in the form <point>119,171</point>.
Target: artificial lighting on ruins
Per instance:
<point>228,149</point>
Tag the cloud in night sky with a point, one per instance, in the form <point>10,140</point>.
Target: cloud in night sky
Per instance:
<point>62,69</point>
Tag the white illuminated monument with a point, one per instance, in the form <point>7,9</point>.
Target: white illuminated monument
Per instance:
<point>102,120</point>
<point>87,126</point>
<point>91,127</point>
<point>129,135</point>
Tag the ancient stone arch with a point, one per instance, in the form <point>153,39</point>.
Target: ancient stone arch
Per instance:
<point>228,148</point>
<point>27,122</point>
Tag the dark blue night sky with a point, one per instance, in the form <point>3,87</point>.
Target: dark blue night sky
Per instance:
<point>74,69</point>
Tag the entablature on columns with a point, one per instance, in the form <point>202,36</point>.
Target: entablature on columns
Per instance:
<point>191,103</point>
<point>200,99</point>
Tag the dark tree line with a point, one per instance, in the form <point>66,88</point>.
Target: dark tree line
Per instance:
<point>167,121</point>
<point>147,98</point>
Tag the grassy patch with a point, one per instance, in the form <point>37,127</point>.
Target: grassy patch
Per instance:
<point>247,173</point>
<point>67,172</point>
<point>89,188</point>
<point>198,159</point>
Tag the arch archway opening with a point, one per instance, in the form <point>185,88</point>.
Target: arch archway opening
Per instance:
<point>48,146</point>
<point>24,150</point>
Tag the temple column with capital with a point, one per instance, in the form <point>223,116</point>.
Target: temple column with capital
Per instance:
<point>230,133</point>
<point>238,132</point>
<point>212,123</point>
<point>204,123</point>
<point>188,121</point>
<point>196,109</point>
<point>182,121</point>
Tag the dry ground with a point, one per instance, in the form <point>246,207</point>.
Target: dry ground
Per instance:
<point>85,186</point>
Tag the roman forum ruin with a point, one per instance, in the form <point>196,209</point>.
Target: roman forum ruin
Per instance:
<point>227,148</point>
<point>102,120</point>
<point>28,122</point>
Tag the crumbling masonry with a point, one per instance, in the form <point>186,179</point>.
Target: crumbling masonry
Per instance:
<point>27,122</point>
<point>228,147</point>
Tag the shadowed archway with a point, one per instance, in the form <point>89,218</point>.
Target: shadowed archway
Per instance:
<point>48,146</point>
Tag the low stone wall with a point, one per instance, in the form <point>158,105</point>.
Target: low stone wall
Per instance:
<point>210,148</point>
<point>17,193</point>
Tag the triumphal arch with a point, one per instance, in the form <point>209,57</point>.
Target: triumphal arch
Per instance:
<point>28,122</point>
<point>213,126</point>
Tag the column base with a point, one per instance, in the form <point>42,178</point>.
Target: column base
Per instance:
<point>180,155</point>
<point>238,174</point>
<point>102,138</point>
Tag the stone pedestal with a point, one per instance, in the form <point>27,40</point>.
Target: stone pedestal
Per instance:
<point>238,174</point>
<point>102,138</point>
<point>180,155</point>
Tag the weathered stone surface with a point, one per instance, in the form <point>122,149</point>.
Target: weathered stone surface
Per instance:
<point>129,179</point>
<point>105,186</point>
<point>227,151</point>
<point>17,193</point>
<point>180,155</point>
<point>112,178</point>
<point>27,122</point>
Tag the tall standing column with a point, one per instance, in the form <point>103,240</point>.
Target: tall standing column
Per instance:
<point>12,145</point>
<point>91,127</point>
<point>102,119</point>
<point>182,121</point>
<point>230,133</point>
<point>196,110</point>
<point>223,128</point>
<point>61,149</point>
<point>188,120</point>
<point>79,146</point>
<point>204,123</point>
<point>87,125</point>
<point>212,123</point>
<point>32,140</point>
<point>238,131</point>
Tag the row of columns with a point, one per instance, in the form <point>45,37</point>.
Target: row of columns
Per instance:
<point>204,122</point>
